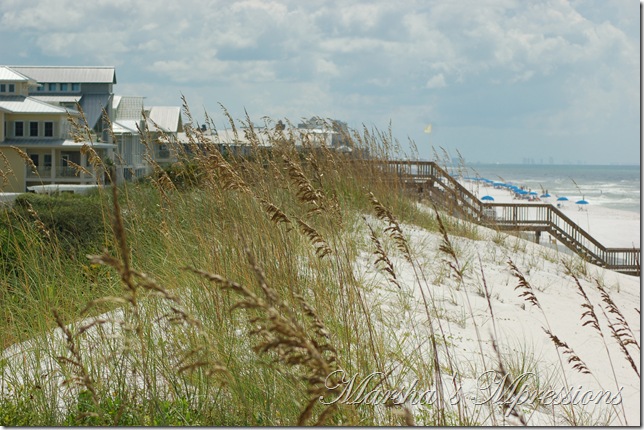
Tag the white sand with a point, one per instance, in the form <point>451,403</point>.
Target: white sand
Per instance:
<point>462,313</point>
<point>612,228</point>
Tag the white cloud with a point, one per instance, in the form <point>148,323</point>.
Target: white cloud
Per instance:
<point>554,66</point>
<point>436,81</point>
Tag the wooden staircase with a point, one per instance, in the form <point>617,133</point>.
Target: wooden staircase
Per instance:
<point>433,182</point>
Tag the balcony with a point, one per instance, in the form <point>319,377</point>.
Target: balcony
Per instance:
<point>61,172</point>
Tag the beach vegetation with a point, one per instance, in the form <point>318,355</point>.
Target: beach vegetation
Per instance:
<point>299,286</point>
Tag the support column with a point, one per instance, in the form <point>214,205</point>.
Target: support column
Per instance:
<point>537,236</point>
<point>83,163</point>
<point>54,165</point>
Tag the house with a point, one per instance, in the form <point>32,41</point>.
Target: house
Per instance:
<point>91,87</point>
<point>158,125</point>
<point>39,130</point>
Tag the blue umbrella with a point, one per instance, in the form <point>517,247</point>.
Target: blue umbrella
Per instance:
<point>490,198</point>
<point>545,195</point>
<point>562,199</point>
<point>581,202</point>
<point>533,193</point>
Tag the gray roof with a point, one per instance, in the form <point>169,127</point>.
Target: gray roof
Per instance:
<point>7,74</point>
<point>127,107</point>
<point>21,104</point>
<point>57,99</point>
<point>93,105</point>
<point>90,75</point>
<point>124,126</point>
<point>166,118</point>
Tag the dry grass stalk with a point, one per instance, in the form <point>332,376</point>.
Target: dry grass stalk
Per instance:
<point>81,375</point>
<point>393,229</point>
<point>620,330</point>
<point>527,294</point>
<point>282,334</point>
<point>276,215</point>
<point>38,222</point>
<point>589,311</point>
<point>305,191</point>
<point>573,358</point>
<point>78,169</point>
<point>5,174</point>
<point>509,386</point>
<point>26,158</point>
<point>447,248</point>
<point>382,257</point>
<point>321,246</point>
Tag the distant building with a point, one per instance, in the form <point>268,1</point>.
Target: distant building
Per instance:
<point>159,125</point>
<point>37,127</point>
<point>35,105</point>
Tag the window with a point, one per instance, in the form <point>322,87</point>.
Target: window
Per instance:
<point>51,87</point>
<point>40,88</point>
<point>12,88</point>
<point>49,129</point>
<point>34,159</point>
<point>33,129</point>
<point>3,88</point>
<point>47,162</point>
<point>19,129</point>
<point>76,87</point>
<point>63,87</point>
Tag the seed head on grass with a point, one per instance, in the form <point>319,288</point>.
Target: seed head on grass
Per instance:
<point>620,330</point>
<point>300,343</point>
<point>321,246</point>
<point>305,190</point>
<point>527,294</point>
<point>276,214</point>
<point>573,358</point>
<point>588,317</point>
<point>447,248</point>
<point>393,229</point>
<point>382,257</point>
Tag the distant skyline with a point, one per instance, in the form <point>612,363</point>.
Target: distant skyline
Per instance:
<point>498,80</point>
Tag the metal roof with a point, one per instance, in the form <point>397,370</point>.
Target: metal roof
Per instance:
<point>57,99</point>
<point>128,107</point>
<point>166,118</point>
<point>93,105</point>
<point>125,126</point>
<point>7,74</point>
<point>21,104</point>
<point>90,75</point>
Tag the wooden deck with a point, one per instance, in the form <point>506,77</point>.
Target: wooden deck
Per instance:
<point>433,182</point>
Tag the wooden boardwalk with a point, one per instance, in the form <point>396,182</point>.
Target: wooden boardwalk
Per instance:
<point>442,189</point>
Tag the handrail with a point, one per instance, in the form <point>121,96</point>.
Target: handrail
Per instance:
<point>519,216</point>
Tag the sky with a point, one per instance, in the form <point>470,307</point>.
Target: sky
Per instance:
<point>500,81</point>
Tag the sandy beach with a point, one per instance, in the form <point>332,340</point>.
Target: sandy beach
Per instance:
<point>612,228</point>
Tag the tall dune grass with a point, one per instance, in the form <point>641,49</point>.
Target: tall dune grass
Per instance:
<point>224,290</point>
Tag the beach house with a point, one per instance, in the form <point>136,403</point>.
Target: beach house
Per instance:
<point>35,106</point>
<point>143,135</point>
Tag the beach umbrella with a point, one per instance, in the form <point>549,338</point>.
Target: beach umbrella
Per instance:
<point>489,198</point>
<point>533,193</point>
<point>562,199</point>
<point>581,202</point>
<point>543,196</point>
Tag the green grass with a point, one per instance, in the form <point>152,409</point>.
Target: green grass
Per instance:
<point>232,291</point>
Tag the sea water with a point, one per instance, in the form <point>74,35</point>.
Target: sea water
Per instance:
<point>615,187</point>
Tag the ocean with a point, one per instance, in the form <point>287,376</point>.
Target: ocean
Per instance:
<point>615,187</point>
